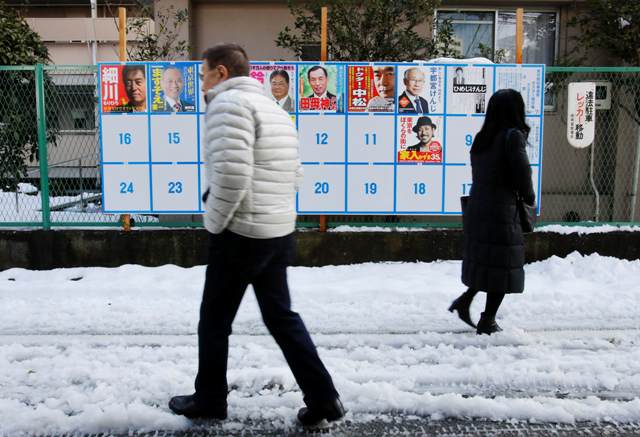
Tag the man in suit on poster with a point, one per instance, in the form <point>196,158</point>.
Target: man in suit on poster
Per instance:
<point>318,78</point>
<point>279,81</point>
<point>410,100</point>
<point>135,86</point>
<point>172,84</point>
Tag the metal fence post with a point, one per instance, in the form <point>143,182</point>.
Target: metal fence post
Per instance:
<point>42,147</point>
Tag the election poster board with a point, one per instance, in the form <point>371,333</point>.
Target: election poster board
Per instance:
<point>375,138</point>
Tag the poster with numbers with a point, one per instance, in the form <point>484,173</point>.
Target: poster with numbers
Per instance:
<point>375,138</point>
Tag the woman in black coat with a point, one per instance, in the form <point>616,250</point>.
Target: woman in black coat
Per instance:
<point>493,243</point>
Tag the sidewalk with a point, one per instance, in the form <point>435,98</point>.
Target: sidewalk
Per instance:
<point>101,351</point>
<point>403,426</point>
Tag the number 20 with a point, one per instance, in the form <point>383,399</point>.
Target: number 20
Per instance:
<point>321,188</point>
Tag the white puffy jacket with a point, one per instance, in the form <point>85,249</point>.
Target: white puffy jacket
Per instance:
<point>251,159</point>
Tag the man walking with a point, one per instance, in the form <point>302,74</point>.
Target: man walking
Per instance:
<point>252,167</point>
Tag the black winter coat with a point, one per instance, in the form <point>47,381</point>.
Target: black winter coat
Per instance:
<point>493,243</point>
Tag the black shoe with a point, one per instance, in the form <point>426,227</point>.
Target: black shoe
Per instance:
<point>316,416</point>
<point>188,406</point>
<point>461,305</point>
<point>487,325</point>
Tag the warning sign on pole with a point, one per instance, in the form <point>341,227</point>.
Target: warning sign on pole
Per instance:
<point>581,115</point>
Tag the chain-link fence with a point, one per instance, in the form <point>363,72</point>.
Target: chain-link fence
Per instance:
<point>49,126</point>
<point>598,183</point>
<point>20,200</point>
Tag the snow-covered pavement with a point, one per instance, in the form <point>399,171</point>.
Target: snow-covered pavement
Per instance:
<point>96,349</point>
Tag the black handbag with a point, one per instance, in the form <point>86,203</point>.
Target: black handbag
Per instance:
<point>526,212</point>
<point>527,215</point>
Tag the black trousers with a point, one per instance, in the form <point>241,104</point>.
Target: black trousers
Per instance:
<point>234,263</point>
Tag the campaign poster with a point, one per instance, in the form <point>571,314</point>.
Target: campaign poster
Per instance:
<point>173,87</point>
<point>320,87</point>
<point>528,81</point>
<point>414,89</point>
<point>279,82</point>
<point>123,88</point>
<point>419,139</point>
<point>371,88</point>
<point>469,89</point>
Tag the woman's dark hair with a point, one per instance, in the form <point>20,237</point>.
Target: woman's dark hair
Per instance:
<point>504,111</point>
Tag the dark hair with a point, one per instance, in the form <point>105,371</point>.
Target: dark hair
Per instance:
<point>504,111</point>
<point>459,68</point>
<point>317,67</point>
<point>131,68</point>
<point>282,73</point>
<point>231,56</point>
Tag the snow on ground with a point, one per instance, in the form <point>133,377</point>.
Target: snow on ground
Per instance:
<point>596,229</point>
<point>559,229</point>
<point>395,228</point>
<point>97,349</point>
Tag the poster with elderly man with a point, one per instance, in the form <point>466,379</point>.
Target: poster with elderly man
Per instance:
<point>421,89</point>
<point>173,87</point>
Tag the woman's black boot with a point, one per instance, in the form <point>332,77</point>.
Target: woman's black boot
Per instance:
<point>462,304</point>
<point>487,325</point>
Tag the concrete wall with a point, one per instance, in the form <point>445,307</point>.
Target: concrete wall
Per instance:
<point>254,25</point>
<point>110,248</point>
<point>69,38</point>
